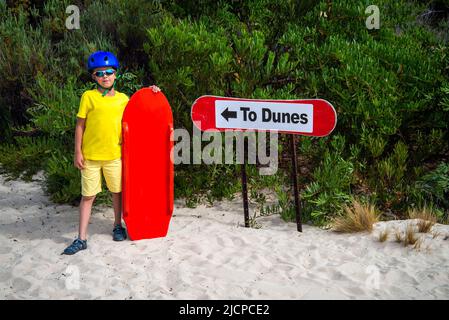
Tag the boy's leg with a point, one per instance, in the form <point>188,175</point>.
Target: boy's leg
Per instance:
<point>118,233</point>
<point>85,210</point>
<point>80,243</point>
<point>90,186</point>
<point>117,203</point>
<point>112,171</point>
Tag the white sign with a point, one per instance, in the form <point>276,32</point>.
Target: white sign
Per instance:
<point>275,116</point>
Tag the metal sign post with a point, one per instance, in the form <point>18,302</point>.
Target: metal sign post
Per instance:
<point>244,184</point>
<point>295,183</point>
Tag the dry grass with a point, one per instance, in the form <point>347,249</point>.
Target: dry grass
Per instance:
<point>398,236</point>
<point>435,234</point>
<point>359,217</point>
<point>418,244</point>
<point>426,218</point>
<point>424,226</point>
<point>383,235</point>
<point>410,237</point>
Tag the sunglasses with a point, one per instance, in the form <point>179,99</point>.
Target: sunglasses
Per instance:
<point>102,73</point>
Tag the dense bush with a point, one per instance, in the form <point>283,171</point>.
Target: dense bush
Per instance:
<point>390,88</point>
<point>433,187</point>
<point>26,157</point>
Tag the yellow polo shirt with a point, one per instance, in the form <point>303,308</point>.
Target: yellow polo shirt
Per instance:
<point>103,133</point>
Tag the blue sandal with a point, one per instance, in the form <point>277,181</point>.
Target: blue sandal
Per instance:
<point>76,246</point>
<point>119,233</point>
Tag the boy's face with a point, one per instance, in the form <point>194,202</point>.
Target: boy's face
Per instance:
<point>105,81</point>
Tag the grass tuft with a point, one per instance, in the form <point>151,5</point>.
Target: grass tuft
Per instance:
<point>398,236</point>
<point>383,235</point>
<point>426,219</point>
<point>356,218</point>
<point>410,237</point>
<point>435,234</point>
<point>417,245</point>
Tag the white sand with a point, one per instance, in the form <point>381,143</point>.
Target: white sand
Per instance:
<point>206,255</point>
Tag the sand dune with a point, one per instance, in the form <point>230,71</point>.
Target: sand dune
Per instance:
<point>207,255</point>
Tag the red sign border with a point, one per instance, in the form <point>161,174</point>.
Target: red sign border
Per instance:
<point>321,109</point>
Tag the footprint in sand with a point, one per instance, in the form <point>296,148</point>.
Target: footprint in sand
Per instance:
<point>441,291</point>
<point>20,285</point>
<point>354,292</point>
<point>4,276</point>
<point>238,241</point>
<point>225,242</point>
<point>5,250</point>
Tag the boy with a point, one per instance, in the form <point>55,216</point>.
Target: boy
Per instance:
<point>98,144</point>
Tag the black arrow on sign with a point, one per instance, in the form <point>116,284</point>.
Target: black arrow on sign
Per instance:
<point>229,114</point>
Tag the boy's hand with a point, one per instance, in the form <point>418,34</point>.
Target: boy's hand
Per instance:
<point>79,160</point>
<point>155,88</point>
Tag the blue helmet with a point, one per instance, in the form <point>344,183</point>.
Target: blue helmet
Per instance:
<point>102,59</point>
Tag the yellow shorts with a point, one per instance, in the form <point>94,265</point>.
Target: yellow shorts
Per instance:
<point>91,176</point>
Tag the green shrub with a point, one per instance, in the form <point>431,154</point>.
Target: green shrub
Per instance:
<point>128,83</point>
<point>391,170</point>
<point>187,60</point>
<point>434,186</point>
<point>54,112</point>
<point>26,156</point>
<point>63,181</point>
<point>330,189</point>
<point>24,51</point>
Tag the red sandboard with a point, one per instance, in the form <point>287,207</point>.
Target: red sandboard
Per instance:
<point>148,170</point>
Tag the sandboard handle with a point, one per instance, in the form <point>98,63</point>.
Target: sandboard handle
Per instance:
<point>125,175</point>
<point>170,169</point>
